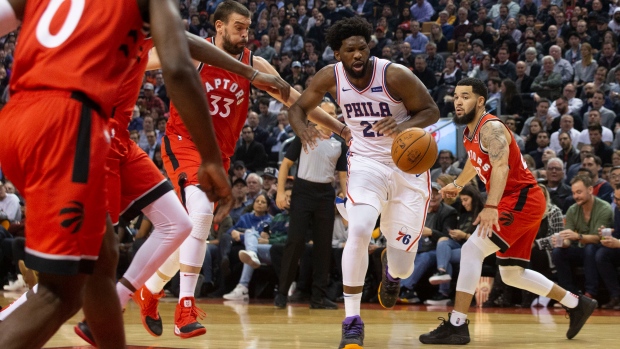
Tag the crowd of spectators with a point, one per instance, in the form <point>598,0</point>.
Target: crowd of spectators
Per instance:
<point>551,68</point>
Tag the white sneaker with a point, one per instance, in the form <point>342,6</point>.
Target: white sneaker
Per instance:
<point>239,293</point>
<point>250,258</point>
<point>17,285</point>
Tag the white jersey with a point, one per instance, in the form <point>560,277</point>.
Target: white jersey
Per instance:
<point>361,109</point>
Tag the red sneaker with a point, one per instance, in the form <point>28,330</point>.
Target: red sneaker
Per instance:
<point>185,323</point>
<point>148,303</point>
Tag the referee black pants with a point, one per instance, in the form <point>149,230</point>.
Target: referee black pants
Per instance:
<point>312,206</point>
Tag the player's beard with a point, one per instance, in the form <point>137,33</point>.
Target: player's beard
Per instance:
<point>230,47</point>
<point>465,119</point>
<point>355,75</point>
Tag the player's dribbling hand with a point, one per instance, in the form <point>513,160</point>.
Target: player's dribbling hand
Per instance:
<point>273,84</point>
<point>450,191</point>
<point>214,182</point>
<point>387,126</point>
<point>486,221</point>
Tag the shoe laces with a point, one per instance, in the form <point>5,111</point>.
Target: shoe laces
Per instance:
<point>441,326</point>
<point>150,308</point>
<point>189,314</point>
<point>354,329</point>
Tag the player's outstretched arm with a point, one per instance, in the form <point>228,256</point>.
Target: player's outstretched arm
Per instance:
<point>404,85</point>
<point>11,13</point>
<point>495,138</point>
<point>185,89</point>
<point>316,114</point>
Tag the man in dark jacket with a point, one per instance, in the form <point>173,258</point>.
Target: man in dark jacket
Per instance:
<point>250,152</point>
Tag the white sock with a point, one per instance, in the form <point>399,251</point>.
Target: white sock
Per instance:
<point>124,294</point>
<point>457,319</point>
<point>570,300</point>
<point>352,304</point>
<point>6,311</point>
<point>155,283</point>
<point>188,285</point>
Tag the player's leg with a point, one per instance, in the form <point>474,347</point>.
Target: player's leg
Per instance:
<point>101,305</point>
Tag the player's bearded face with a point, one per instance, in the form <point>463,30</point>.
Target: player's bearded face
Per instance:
<point>357,69</point>
<point>234,48</point>
<point>466,118</point>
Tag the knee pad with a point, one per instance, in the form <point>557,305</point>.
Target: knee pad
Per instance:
<point>511,275</point>
<point>201,225</point>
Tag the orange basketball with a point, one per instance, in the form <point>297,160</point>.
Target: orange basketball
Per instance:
<point>414,150</point>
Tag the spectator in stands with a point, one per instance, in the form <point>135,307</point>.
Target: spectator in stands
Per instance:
<point>434,61</point>
<point>482,72</point>
<point>265,50</point>
<point>512,29</point>
<point>266,120</point>
<point>152,147</point>
<point>601,188</point>
<point>148,125</point>
<point>479,33</point>
<point>9,205</point>
<point>424,73</point>
<point>136,120</point>
<point>441,218</point>
<point>580,237</point>
<point>511,7</point>
<point>535,127</point>
<point>446,163</point>
<point>240,198</point>
<point>609,58</point>
<point>529,8</point>
<point>462,25</point>
<point>317,31</point>
<point>549,83</point>
<point>405,57</point>
<point>523,82</point>
<point>559,192</point>
<point>333,14</point>
<point>608,257</point>
<point>573,52</point>
<point>574,103</point>
<point>422,11</point>
<point>270,182</point>
<point>511,123</point>
<point>160,90</point>
<point>260,134</point>
<point>586,67</point>
<point>250,152</point>
<point>594,117</point>
<point>505,67</point>
<point>438,38</point>
<point>562,66</point>
<point>161,129</point>
<point>449,248</point>
<point>532,65</point>
<point>134,136</point>
<point>566,125</point>
<point>251,226</point>
<point>151,100</point>
<point>542,142</point>
<point>416,40</point>
<point>601,149</point>
<point>511,102</point>
<point>382,41</point>
<point>297,77</point>
<point>446,27</point>
<point>291,42</point>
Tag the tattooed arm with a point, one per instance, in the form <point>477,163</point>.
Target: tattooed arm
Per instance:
<point>495,138</point>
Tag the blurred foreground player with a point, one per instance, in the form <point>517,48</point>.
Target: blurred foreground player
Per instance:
<point>507,225</point>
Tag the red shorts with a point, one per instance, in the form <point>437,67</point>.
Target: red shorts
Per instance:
<point>134,181</point>
<point>520,215</point>
<point>52,149</point>
<point>181,161</point>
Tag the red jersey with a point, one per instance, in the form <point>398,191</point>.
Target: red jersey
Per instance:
<point>228,95</point>
<point>519,176</point>
<point>128,92</point>
<point>78,45</point>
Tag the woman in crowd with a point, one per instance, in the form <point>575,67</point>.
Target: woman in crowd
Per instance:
<point>586,67</point>
<point>438,38</point>
<point>512,104</point>
<point>530,142</point>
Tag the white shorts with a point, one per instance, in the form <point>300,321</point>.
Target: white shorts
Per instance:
<point>401,198</point>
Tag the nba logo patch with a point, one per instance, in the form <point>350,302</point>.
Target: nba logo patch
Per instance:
<point>377,89</point>
<point>476,138</point>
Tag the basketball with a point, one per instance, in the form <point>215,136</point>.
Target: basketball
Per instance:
<point>414,151</point>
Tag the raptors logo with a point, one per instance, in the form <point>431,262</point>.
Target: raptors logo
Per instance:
<point>73,216</point>
<point>506,218</point>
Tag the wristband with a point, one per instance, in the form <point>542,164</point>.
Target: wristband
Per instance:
<point>345,126</point>
<point>490,206</point>
<point>254,75</point>
<point>456,185</point>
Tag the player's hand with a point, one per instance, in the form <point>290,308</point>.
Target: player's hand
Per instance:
<point>308,136</point>
<point>281,201</point>
<point>387,126</point>
<point>214,182</point>
<point>450,191</point>
<point>486,221</point>
<point>273,84</point>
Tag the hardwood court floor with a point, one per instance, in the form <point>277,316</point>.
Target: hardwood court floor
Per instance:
<point>233,325</point>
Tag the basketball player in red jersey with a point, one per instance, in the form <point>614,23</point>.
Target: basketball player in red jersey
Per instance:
<point>56,160</point>
<point>507,225</point>
<point>229,98</point>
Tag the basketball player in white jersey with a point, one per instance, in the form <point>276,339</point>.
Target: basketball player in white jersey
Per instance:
<point>378,100</point>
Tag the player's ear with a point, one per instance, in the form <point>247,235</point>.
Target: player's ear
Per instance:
<point>481,101</point>
<point>337,55</point>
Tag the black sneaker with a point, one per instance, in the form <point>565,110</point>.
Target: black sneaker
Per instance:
<point>440,277</point>
<point>323,303</point>
<point>612,304</point>
<point>352,333</point>
<point>82,330</point>
<point>447,333</point>
<point>409,297</point>
<point>388,290</point>
<point>579,315</point>
<point>279,301</point>
<point>299,296</point>
<point>438,299</point>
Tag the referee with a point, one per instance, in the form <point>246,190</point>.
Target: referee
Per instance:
<point>312,206</point>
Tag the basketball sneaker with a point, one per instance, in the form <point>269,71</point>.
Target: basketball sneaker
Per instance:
<point>352,333</point>
<point>580,314</point>
<point>185,323</point>
<point>447,333</point>
<point>389,289</point>
<point>148,303</point>
<point>83,331</point>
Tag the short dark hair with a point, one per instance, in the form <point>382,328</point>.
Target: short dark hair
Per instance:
<point>543,100</point>
<point>586,180</point>
<point>446,151</point>
<point>228,7</point>
<point>565,133</point>
<point>346,28</point>
<point>247,126</point>
<point>595,126</point>
<point>477,86</point>
<point>597,160</point>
